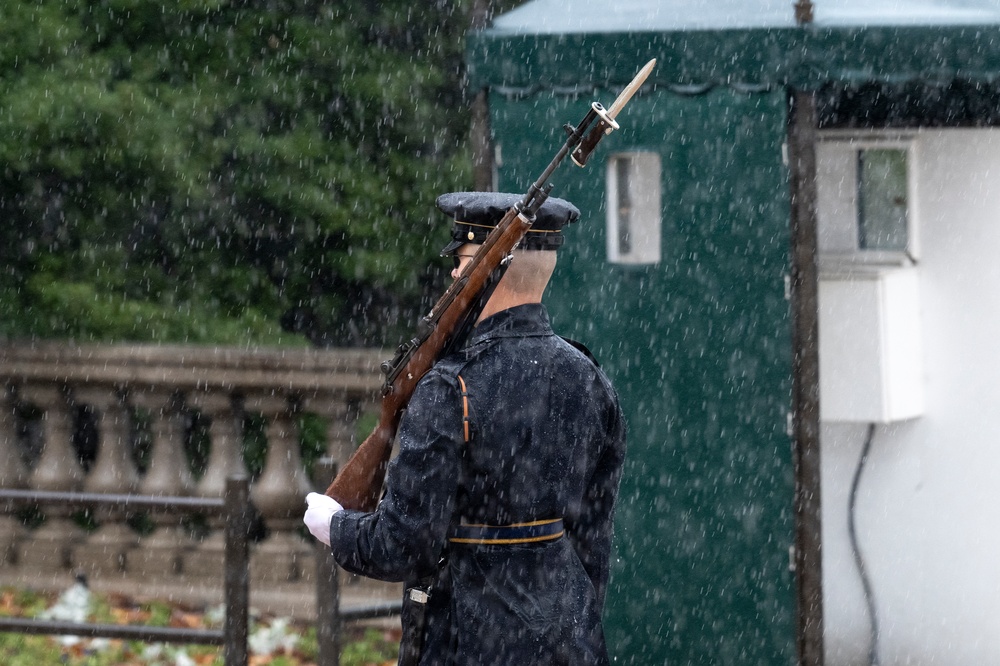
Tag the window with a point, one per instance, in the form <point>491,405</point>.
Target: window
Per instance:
<point>865,207</point>
<point>633,208</point>
<point>882,199</point>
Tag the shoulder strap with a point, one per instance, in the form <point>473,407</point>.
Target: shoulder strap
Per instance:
<point>466,423</point>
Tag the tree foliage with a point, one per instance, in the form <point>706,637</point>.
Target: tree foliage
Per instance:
<point>221,171</point>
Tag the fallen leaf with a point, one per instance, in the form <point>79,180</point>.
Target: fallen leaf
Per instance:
<point>130,615</point>
<point>186,620</point>
<point>8,603</point>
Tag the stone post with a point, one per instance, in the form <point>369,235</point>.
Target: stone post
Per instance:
<point>279,494</point>
<point>168,475</point>
<point>106,550</point>
<point>225,459</point>
<point>13,474</point>
<point>57,470</point>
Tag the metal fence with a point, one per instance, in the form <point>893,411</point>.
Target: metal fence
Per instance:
<point>234,508</point>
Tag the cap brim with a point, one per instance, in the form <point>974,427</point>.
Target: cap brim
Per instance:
<point>451,247</point>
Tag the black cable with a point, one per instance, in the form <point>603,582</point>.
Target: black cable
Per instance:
<point>858,559</point>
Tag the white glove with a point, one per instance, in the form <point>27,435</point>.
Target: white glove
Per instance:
<point>318,515</point>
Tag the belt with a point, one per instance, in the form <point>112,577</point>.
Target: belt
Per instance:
<point>538,530</point>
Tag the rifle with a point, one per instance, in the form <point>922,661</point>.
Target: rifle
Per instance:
<point>359,483</point>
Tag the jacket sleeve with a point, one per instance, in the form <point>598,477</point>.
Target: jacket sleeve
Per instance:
<point>406,534</point>
<point>592,532</point>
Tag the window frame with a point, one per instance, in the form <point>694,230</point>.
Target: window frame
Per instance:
<point>647,240</point>
<point>838,198</point>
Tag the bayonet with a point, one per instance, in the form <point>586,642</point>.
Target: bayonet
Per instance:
<point>606,123</point>
<point>631,89</point>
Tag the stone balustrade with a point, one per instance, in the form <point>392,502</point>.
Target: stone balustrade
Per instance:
<point>122,418</point>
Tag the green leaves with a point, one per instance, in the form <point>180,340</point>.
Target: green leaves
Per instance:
<point>274,158</point>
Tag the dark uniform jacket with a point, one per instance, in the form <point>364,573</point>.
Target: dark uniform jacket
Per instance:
<point>546,440</point>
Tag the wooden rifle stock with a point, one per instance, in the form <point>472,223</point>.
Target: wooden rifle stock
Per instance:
<point>358,485</point>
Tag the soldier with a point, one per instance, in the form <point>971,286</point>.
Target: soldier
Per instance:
<point>498,508</point>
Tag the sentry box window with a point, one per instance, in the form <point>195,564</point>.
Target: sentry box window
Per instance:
<point>633,208</point>
<point>865,202</point>
<point>883,196</point>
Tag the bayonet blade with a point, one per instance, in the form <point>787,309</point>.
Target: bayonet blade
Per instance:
<point>631,89</point>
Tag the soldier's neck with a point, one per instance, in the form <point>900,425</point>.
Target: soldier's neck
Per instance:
<point>503,299</point>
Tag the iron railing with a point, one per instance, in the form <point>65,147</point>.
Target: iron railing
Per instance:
<point>234,508</point>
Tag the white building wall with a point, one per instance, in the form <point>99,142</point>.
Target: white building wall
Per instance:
<point>928,507</point>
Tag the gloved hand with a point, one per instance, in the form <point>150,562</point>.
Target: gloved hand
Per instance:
<point>318,514</point>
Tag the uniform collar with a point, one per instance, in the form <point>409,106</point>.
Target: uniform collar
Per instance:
<point>519,321</point>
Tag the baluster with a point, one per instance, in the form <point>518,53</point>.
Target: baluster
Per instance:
<point>225,431</point>
<point>57,470</point>
<point>225,459</point>
<point>168,474</point>
<point>341,414</point>
<point>13,474</point>
<point>106,550</point>
<point>279,494</point>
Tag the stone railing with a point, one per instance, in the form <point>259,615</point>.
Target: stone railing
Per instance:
<point>119,420</point>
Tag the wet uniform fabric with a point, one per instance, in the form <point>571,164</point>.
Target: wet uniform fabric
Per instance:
<point>547,441</point>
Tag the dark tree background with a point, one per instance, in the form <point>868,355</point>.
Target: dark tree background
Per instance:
<point>227,172</point>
